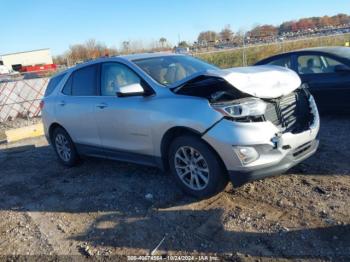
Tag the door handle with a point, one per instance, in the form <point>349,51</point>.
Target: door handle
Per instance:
<point>62,103</point>
<point>102,105</point>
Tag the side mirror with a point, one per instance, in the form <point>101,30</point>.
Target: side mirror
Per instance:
<point>130,90</point>
<point>342,68</point>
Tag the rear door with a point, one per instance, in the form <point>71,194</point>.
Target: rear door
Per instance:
<point>331,89</point>
<point>75,106</point>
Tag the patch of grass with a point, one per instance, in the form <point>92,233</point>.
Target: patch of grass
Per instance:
<point>234,58</point>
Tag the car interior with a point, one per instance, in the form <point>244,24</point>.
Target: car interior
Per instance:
<point>168,70</point>
<point>167,73</point>
<point>115,76</point>
<point>315,64</point>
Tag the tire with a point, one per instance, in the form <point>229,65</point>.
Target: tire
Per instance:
<point>64,147</point>
<point>201,162</point>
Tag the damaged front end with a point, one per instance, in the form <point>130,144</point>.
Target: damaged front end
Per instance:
<point>270,120</point>
<point>285,101</point>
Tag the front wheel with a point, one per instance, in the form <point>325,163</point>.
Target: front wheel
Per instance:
<point>196,168</point>
<point>64,147</point>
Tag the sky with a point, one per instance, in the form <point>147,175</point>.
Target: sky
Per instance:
<point>57,24</point>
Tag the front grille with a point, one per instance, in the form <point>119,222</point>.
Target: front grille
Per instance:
<point>291,113</point>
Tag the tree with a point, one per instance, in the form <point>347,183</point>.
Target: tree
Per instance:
<point>91,49</point>
<point>95,49</point>
<point>126,46</point>
<point>285,27</point>
<point>305,23</point>
<point>60,60</point>
<point>207,37</point>
<point>77,53</point>
<point>184,44</point>
<point>263,31</point>
<point>162,41</point>
<point>226,34</point>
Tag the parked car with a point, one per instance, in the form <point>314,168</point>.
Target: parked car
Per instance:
<point>177,112</point>
<point>326,70</point>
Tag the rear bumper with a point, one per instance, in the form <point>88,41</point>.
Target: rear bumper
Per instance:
<point>239,178</point>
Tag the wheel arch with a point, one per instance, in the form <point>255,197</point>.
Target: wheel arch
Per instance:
<point>52,127</point>
<point>175,132</point>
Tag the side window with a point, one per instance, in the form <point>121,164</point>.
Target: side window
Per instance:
<point>84,82</point>
<point>284,62</point>
<point>115,75</point>
<point>317,64</point>
<point>310,64</point>
<point>330,64</point>
<point>53,83</point>
<point>67,89</point>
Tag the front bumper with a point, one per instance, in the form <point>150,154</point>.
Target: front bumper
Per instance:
<point>239,178</point>
<point>274,157</point>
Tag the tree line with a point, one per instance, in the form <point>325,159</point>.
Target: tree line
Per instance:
<point>227,35</point>
<point>93,49</point>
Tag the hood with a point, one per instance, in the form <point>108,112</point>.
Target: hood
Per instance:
<point>265,81</point>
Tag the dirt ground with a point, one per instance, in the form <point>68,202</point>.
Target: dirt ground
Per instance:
<point>105,208</point>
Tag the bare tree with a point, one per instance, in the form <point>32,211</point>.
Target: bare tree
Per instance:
<point>77,53</point>
<point>126,46</point>
<point>91,49</point>
<point>162,41</point>
<point>208,37</point>
<point>226,34</point>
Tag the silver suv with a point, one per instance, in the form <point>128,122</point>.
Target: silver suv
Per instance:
<point>176,112</point>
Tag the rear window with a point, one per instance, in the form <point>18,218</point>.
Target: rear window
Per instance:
<point>54,81</point>
<point>85,81</point>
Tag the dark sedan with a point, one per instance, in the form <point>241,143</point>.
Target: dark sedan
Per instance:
<point>326,70</point>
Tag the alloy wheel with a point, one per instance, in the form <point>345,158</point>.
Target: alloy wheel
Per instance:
<point>191,167</point>
<point>63,147</point>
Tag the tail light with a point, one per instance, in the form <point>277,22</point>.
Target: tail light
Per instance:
<point>42,103</point>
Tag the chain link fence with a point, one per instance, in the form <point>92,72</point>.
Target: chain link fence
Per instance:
<point>21,98</point>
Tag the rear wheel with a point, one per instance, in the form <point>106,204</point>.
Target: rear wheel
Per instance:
<point>64,147</point>
<point>195,167</point>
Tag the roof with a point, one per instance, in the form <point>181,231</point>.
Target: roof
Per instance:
<point>336,50</point>
<point>327,49</point>
<point>146,55</point>
<point>339,51</point>
<point>131,58</point>
<point>42,49</point>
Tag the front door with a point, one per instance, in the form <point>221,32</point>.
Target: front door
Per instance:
<point>124,123</point>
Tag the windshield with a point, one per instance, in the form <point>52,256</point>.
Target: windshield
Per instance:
<point>167,70</point>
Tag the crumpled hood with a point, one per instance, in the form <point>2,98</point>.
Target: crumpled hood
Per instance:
<point>265,81</point>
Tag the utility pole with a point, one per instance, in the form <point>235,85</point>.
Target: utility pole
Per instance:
<point>244,55</point>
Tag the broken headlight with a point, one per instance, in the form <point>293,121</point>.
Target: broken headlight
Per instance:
<point>250,107</point>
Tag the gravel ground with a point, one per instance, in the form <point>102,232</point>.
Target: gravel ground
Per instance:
<point>105,208</point>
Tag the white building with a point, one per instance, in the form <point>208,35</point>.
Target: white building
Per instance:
<point>28,58</point>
